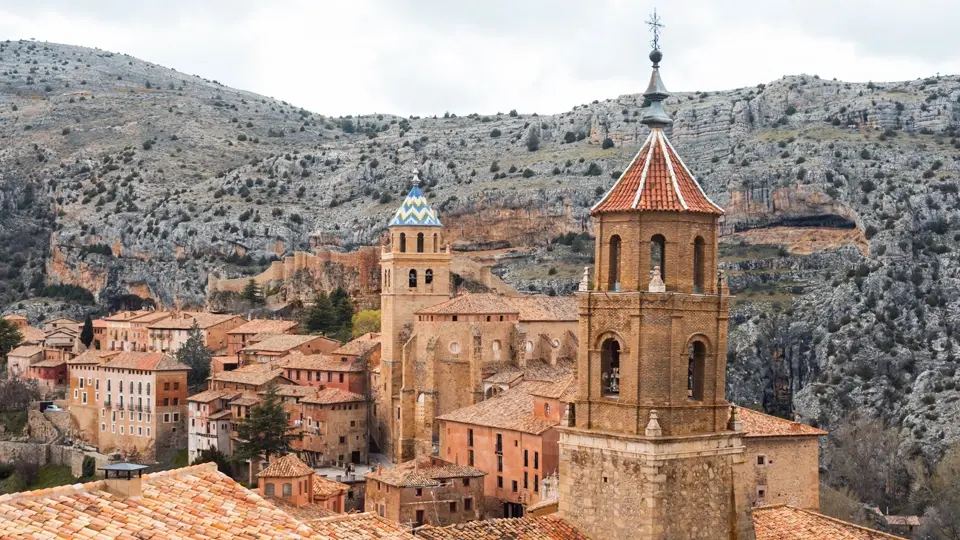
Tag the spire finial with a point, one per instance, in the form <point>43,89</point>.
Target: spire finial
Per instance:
<point>655,25</point>
<point>416,177</point>
<point>655,117</point>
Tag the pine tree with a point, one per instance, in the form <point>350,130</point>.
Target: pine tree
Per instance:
<point>343,314</point>
<point>86,334</point>
<point>265,431</point>
<point>195,354</point>
<point>321,318</point>
<point>10,337</point>
<point>251,293</point>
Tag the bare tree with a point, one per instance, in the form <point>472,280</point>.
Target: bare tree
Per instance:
<point>942,518</point>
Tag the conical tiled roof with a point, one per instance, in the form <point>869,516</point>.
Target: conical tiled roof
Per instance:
<point>657,180</point>
<point>288,466</point>
<point>415,211</point>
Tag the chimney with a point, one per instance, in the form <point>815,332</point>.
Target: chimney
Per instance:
<point>123,479</point>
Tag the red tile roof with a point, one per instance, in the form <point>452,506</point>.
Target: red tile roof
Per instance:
<point>782,522</point>
<point>288,466</point>
<point>422,472</point>
<point>758,424</point>
<point>257,326</point>
<point>526,528</point>
<point>324,487</point>
<point>321,362</point>
<point>359,346</point>
<point>512,410</point>
<point>528,307</point>
<point>657,180</point>
<point>365,526</point>
<point>328,396</point>
<point>146,361</point>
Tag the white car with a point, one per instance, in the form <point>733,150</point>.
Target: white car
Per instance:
<point>54,408</point>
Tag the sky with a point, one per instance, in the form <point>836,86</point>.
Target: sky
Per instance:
<point>425,57</point>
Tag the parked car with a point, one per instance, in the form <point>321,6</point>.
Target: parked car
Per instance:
<point>53,408</point>
<point>67,442</point>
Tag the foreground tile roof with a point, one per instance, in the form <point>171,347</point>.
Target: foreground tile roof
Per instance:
<point>563,389</point>
<point>188,503</point>
<point>512,410</point>
<point>329,396</point>
<point>528,528</point>
<point>257,326</point>
<point>255,377</point>
<point>282,343</point>
<point>288,466</point>
<point>782,522</point>
<point>209,395</point>
<point>529,308</point>
<point>93,356</point>
<point>423,471</point>
<point>359,346</point>
<point>365,526</point>
<point>657,180</point>
<point>146,361</point>
<point>535,370</point>
<point>324,487</point>
<point>321,362</point>
<point>758,424</point>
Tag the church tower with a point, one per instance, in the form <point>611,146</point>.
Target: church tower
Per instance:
<point>415,267</point>
<point>649,451</point>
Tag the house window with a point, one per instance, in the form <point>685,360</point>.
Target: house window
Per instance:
<point>454,347</point>
<point>435,243</point>
<point>536,483</point>
<point>287,489</point>
<point>176,417</point>
<point>403,243</point>
<point>466,482</point>
<point>526,483</point>
<point>761,492</point>
<point>343,440</point>
<point>270,490</point>
<point>166,386</point>
<point>499,482</point>
<point>76,394</point>
<point>419,242</point>
<point>176,386</point>
<point>83,398</point>
<point>514,486</point>
<point>413,279</point>
<point>499,463</point>
<point>695,370</point>
<point>341,377</point>
<point>166,418</point>
<point>536,460</point>
<point>526,455</point>
<point>613,277</point>
<point>419,492</point>
<point>121,430</point>
<point>139,387</point>
<point>81,382</point>
<point>698,265</point>
<point>419,517</point>
<point>470,457</point>
<point>761,460</point>
<point>468,504</point>
<point>148,430</point>
<point>546,409</point>
<point>469,437</point>
<point>148,389</point>
<point>103,427</point>
<point>428,276</point>
<point>453,506</point>
<point>610,368</point>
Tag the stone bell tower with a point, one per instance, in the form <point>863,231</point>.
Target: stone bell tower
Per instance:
<point>647,453</point>
<point>415,267</point>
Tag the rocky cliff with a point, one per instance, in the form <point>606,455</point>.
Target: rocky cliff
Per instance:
<point>126,178</point>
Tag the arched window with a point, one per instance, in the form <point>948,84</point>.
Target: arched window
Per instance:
<point>413,278</point>
<point>419,242</point>
<point>695,370</point>
<point>148,389</point>
<point>436,246</point>
<point>139,387</point>
<point>610,368</point>
<point>108,385</point>
<point>698,262</point>
<point>403,242</point>
<point>658,255</point>
<point>131,387</point>
<point>288,490</point>
<point>428,276</point>
<point>613,277</point>
<point>270,489</point>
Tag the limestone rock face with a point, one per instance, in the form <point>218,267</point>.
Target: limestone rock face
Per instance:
<point>126,178</point>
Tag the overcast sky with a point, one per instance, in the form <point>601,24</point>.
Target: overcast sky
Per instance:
<point>431,56</point>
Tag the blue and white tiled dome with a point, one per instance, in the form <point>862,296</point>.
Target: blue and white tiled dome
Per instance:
<point>415,211</point>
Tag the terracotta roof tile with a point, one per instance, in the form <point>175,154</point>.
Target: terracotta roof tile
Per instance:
<point>324,487</point>
<point>758,424</point>
<point>365,526</point>
<point>146,361</point>
<point>186,319</point>
<point>527,528</point>
<point>209,395</point>
<point>657,180</point>
<point>512,410</point>
<point>32,335</point>
<point>305,512</point>
<point>288,466</point>
<point>329,396</point>
<point>253,377</point>
<point>293,390</point>
<point>423,471</point>
<point>257,326</point>
<point>788,523</point>
<point>282,343</point>
<point>189,503</point>
<point>320,362</point>
<point>26,351</point>
<point>93,356</point>
<point>561,389</point>
<point>359,346</point>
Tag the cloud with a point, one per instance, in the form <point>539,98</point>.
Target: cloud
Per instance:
<point>430,56</point>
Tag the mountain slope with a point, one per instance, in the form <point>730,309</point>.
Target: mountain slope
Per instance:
<point>123,177</point>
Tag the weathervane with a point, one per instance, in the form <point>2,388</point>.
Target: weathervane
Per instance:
<point>655,25</point>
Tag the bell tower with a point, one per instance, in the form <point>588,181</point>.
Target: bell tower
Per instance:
<point>415,272</point>
<point>649,451</point>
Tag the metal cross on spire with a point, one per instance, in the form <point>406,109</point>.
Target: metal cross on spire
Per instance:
<point>655,25</point>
